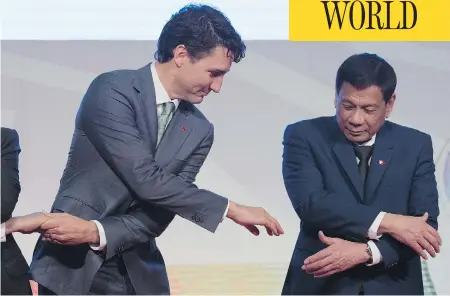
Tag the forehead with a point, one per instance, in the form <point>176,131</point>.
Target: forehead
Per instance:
<point>218,59</point>
<point>370,95</point>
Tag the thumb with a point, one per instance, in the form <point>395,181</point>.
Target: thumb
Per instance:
<point>253,229</point>
<point>325,239</point>
<point>425,217</point>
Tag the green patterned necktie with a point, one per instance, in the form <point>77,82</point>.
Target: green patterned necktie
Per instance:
<point>165,112</point>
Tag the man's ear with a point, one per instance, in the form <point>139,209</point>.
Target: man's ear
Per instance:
<point>180,55</point>
<point>390,105</point>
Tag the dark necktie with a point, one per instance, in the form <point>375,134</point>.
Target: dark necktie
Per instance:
<point>363,153</point>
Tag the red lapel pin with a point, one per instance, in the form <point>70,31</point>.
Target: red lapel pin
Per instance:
<point>183,128</point>
<point>381,162</point>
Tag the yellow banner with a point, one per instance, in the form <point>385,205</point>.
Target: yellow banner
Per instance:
<point>394,20</point>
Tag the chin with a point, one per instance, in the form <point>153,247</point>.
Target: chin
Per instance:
<point>359,139</point>
<point>195,100</point>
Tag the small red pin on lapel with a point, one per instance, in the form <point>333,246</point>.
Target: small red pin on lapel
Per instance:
<point>183,128</point>
<point>382,162</point>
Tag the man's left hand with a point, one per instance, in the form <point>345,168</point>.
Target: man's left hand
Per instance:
<point>66,229</point>
<point>339,256</point>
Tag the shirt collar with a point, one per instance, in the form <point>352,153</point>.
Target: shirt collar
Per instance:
<point>370,142</point>
<point>160,92</point>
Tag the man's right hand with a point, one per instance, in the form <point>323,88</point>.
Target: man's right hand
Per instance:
<point>249,217</point>
<point>26,224</point>
<point>414,232</point>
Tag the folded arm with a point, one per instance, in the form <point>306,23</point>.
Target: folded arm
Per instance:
<point>315,205</point>
<point>423,199</point>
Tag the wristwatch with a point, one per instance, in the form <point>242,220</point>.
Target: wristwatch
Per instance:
<point>369,252</point>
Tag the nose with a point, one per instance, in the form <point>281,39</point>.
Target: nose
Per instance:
<point>216,85</point>
<point>356,118</point>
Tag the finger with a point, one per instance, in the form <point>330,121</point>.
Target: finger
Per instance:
<point>49,224</point>
<point>280,229</point>
<point>318,256</point>
<point>275,227</point>
<point>425,217</point>
<point>433,241</point>
<point>269,231</point>
<point>331,272</point>
<point>326,263</point>
<point>52,241</point>
<point>59,238</point>
<point>253,229</point>
<point>325,268</point>
<point>418,249</point>
<point>434,232</point>
<point>270,223</point>
<point>325,239</point>
<point>427,246</point>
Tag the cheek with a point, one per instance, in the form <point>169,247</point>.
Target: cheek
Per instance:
<point>202,82</point>
<point>343,115</point>
<point>374,124</point>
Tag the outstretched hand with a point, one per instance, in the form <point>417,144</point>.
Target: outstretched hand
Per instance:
<point>251,217</point>
<point>26,224</point>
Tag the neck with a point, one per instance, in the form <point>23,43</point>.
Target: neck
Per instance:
<point>166,74</point>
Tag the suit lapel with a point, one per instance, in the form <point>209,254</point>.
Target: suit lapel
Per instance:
<point>381,158</point>
<point>175,135</point>
<point>343,149</point>
<point>143,83</point>
<point>346,156</point>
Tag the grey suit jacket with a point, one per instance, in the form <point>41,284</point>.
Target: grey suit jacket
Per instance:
<point>115,174</point>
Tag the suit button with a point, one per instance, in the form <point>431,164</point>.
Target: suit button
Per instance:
<point>197,218</point>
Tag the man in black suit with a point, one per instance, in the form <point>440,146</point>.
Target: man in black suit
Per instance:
<point>15,279</point>
<point>364,189</point>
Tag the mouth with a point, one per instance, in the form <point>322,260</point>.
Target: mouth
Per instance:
<point>355,133</point>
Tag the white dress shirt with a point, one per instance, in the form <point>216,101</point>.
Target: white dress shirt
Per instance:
<point>3,238</point>
<point>373,230</point>
<point>161,97</point>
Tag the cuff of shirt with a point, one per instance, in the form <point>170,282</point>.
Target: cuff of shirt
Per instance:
<point>373,230</point>
<point>102,236</point>
<point>3,239</point>
<point>376,255</point>
<point>226,212</point>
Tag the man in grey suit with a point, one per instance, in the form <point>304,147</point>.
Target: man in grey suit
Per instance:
<point>138,145</point>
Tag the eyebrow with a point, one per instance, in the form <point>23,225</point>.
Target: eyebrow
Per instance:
<point>347,100</point>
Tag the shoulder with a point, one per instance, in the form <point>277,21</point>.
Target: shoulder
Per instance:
<point>10,139</point>
<point>408,135</point>
<point>113,86</point>
<point>115,77</point>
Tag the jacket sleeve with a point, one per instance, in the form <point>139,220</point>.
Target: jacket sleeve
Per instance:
<point>423,198</point>
<point>107,117</point>
<point>146,221</point>
<point>10,172</point>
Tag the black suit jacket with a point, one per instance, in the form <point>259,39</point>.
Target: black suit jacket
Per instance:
<point>14,266</point>
<point>326,191</point>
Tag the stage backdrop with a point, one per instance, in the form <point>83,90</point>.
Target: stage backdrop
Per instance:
<point>276,84</point>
